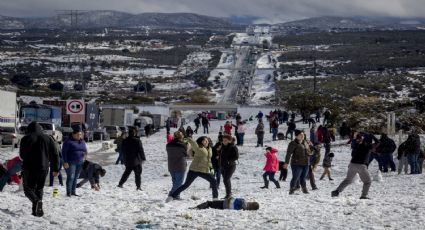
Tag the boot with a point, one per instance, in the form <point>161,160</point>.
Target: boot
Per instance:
<point>291,191</point>
<point>264,187</point>
<point>39,209</point>
<point>305,191</point>
<point>277,184</point>
<point>322,177</point>
<point>335,193</point>
<point>330,178</point>
<point>314,188</point>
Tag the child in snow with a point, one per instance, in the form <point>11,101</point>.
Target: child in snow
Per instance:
<point>272,166</point>
<point>283,171</point>
<point>231,203</point>
<point>327,164</point>
<point>170,137</point>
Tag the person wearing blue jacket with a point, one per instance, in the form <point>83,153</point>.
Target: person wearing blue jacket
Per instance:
<point>74,151</point>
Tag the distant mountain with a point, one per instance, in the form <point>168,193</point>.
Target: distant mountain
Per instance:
<point>328,23</point>
<point>95,19</point>
<point>244,20</point>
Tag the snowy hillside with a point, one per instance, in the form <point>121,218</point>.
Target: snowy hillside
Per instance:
<point>397,202</point>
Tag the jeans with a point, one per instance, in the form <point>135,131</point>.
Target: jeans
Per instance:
<point>52,178</point>
<point>227,173</point>
<point>387,159</point>
<point>241,136</point>
<point>299,173</point>
<point>274,131</point>
<point>205,129</point>
<point>119,159</point>
<point>217,175</point>
<point>72,174</point>
<point>378,159</point>
<point>12,171</point>
<point>191,176</point>
<point>413,162</point>
<point>290,132</point>
<point>270,175</point>
<point>137,175</point>
<point>177,179</point>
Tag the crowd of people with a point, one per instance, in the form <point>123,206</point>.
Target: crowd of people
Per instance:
<point>213,161</point>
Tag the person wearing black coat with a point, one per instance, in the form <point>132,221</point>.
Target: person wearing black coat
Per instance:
<point>133,156</point>
<point>215,161</point>
<point>38,152</point>
<point>358,165</point>
<point>385,149</point>
<point>177,164</point>
<point>413,150</point>
<point>402,158</point>
<point>228,157</point>
<point>91,172</point>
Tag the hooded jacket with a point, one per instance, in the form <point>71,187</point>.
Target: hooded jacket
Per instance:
<point>177,154</point>
<point>132,150</point>
<point>37,150</point>
<point>272,163</point>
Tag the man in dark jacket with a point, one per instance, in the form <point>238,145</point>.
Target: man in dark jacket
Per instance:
<point>91,172</point>
<point>177,164</point>
<point>413,150</point>
<point>385,149</point>
<point>205,124</point>
<point>134,156</point>
<point>197,123</point>
<point>358,165</point>
<point>291,129</point>
<point>228,157</point>
<point>37,152</point>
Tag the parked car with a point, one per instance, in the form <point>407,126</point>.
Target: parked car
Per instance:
<point>124,129</point>
<point>88,134</point>
<point>113,131</point>
<point>53,131</point>
<point>66,132</point>
<point>100,134</point>
<point>10,136</point>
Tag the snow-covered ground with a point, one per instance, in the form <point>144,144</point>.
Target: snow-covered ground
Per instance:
<point>398,202</point>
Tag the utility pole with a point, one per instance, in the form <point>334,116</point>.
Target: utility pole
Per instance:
<point>314,75</point>
<point>74,16</point>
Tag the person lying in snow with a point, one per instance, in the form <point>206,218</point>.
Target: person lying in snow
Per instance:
<point>231,203</point>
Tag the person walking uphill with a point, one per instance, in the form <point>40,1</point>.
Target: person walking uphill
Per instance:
<point>74,151</point>
<point>259,131</point>
<point>298,155</point>
<point>358,165</point>
<point>200,167</point>
<point>228,157</point>
<point>37,151</point>
<point>134,156</point>
<point>177,154</point>
<point>271,167</point>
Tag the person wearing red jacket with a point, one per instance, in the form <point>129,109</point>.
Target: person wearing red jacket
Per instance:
<point>272,166</point>
<point>228,128</point>
<point>13,166</point>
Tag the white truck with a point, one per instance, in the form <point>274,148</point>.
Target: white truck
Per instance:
<point>8,109</point>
